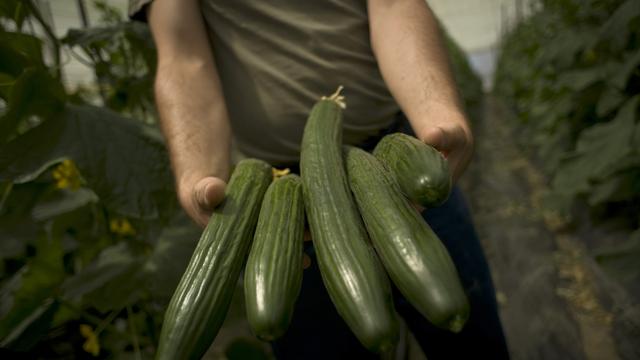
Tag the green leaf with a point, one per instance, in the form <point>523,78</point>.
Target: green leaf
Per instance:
<point>93,35</point>
<point>115,279</point>
<point>11,246</point>
<point>9,288</point>
<point>19,51</point>
<point>618,131</point>
<point>572,176</point>
<point>619,187</point>
<point>17,229</point>
<point>62,202</point>
<point>564,48</point>
<point>170,257</point>
<point>123,290</point>
<point>599,149</point>
<point>621,261</point>
<point>578,80</point>
<point>12,64</point>
<point>111,263</point>
<point>625,72</point>
<point>25,336</point>
<point>35,92</point>
<point>636,139</point>
<point>610,100</point>
<point>615,31</point>
<point>38,282</point>
<point>6,82</point>
<point>123,161</point>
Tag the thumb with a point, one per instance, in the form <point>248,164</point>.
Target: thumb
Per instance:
<point>438,138</point>
<point>209,192</point>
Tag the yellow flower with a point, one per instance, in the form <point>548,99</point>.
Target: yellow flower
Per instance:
<point>122,227</point>
<point>67,175</point>
<point>91,345</point>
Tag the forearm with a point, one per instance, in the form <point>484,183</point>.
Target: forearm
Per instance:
<point>189,97</point>
<point>194,120</point>
<point>413,61</point>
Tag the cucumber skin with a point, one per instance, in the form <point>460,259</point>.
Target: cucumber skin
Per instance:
<point>273,274</point>
<point>201,300</point>
<point>413,255</point>
<point>350,269</point>
<point>421,171</point>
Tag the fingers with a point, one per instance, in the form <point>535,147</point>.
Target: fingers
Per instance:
<point>209,193</point>
<point>454,142</point>
<point>446,140</point>
<point>199,198</point>
<point>438,138</point>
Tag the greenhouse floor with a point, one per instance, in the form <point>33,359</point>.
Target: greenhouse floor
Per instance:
<point>555,302</point>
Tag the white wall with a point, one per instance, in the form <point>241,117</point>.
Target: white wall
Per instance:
<point>476,25</point>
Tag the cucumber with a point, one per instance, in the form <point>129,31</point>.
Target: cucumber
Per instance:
<point>273,274</point>
<point>350,270</point>
<point>421,171</point>
<point>201,300</point>
<point>416,260</point>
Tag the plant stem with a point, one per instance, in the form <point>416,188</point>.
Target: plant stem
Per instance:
<point>134,334</point>
<point>5,193</point>
<point>92,318</point>
<point>107,321</point>
<point>50,34</point>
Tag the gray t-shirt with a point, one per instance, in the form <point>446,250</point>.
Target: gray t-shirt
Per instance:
<point>277,58</point>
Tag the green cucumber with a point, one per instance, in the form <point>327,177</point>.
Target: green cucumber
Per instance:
<point>350,270</point>
<point>416,260</point>
<point>421,171</point>
<point>201,300</point>
<point>273,274</point>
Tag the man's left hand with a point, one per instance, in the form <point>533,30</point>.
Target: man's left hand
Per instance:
<point>451,135</point>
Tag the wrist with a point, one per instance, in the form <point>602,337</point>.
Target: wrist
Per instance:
<point>448,117</point>
<point>187,175</point>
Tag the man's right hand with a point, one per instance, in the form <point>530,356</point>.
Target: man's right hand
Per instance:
<point>200,197</point>
<point>193,114</point>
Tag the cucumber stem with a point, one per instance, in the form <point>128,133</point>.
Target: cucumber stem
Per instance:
<point>337,98</point>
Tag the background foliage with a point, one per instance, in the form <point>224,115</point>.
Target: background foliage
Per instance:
<point>571,72</point>
<point>92,243</point>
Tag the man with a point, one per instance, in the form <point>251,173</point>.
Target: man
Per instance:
<point>251,70</point>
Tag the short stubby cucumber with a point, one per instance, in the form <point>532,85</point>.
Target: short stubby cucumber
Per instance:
<point>421,171</point>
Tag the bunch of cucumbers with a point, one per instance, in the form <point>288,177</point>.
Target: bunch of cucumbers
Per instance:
<point>361,211</point>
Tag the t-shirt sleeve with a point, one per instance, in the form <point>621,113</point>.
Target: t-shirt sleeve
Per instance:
<point>138,9</point>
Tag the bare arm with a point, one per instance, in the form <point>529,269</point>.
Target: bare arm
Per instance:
<point>193,115</point>
<point>413,61</point>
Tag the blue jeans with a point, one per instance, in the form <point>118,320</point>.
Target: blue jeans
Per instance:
<point>318,332</point>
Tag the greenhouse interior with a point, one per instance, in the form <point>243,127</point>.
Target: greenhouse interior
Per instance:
<point>385,179</point>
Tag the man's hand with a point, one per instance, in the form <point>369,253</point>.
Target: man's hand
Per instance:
<point>413,61</point>
<point>199,196</point>
<point>451,135</point>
